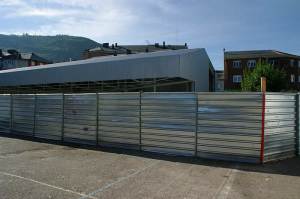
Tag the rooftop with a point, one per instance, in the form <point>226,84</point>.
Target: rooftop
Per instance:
<point>123,49</point>
<point>257,54</point>
<point>14,54</point>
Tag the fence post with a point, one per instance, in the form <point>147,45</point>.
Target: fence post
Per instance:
<point>11,113</point>
<point>63,117</point>
<point>262,144</point>
<point>297,124</point>
<point>34,115</point>
<point>140,120</point>
<point>196,127</point>
<point>97,119</point>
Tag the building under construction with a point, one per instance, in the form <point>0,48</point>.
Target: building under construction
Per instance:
<point>165,71</point>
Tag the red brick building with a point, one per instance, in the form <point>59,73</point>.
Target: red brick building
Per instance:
<point>235,62</point>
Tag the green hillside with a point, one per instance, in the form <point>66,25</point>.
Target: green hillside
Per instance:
<point>55,48</point>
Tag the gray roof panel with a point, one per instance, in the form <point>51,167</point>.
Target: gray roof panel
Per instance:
<point>190,64</point>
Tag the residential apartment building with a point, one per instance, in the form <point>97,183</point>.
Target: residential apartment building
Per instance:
<point>13,59</point>
<point>113,50</point>
<point>235,62</point>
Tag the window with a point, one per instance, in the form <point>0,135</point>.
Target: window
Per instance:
<point>292,78</point>
<point>292,62</point>
<point>236,64</point>
<point>251,63</point>
<point>272,62</point>
<point>236,78</point>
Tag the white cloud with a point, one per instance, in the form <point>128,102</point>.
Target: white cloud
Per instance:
<point>75,17</point>
<point>7,3</point>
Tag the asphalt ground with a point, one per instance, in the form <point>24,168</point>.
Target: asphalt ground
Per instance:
<point>37,170</point>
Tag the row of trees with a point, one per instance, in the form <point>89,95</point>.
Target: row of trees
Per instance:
<point>276,78</point>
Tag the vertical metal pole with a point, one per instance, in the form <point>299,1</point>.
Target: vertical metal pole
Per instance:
<point>34,115</point>
<point>11,113</point>
<point>63,117</point>
<point>140,120</point>
<point>97,119</point>
<point>196,127</point>
<point>297,124</point>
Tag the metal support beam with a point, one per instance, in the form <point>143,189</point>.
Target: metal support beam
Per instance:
<point>154,84</point>
<point>196,123</point>
<point>140,120</point>
<point>97,119</point>
<point>34,115</point>
<point>11,113</point>
<point>297,123</point>
<point>63,117</point>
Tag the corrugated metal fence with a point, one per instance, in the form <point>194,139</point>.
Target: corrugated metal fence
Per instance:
<point>280,126</point>
<point>248,127</point>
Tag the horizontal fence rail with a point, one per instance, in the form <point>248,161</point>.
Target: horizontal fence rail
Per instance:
<point>247,127</point>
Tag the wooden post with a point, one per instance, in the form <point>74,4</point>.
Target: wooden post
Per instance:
<point>263,84</point>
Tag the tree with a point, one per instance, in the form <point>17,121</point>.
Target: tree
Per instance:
<point>276,78</point>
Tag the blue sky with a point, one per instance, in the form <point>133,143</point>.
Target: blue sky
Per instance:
<point>210,24</point>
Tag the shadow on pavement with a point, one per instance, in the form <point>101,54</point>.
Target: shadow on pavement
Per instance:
<point>290,167</point>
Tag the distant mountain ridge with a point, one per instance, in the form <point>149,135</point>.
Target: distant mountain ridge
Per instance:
<point>57,48</point>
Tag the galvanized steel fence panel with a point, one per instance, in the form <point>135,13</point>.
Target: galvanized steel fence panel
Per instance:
<point>119,119</point>
<point>80,118</point>
<point>23,114</point>
<point>5,113</point>
<point>229,126</point>
<point>168,122</point>
<point>48,116</point>
<point>280,126</point>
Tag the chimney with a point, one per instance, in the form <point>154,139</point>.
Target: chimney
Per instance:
<point>116,44</point>
<point>105,45</point>
<point>113,46</point>
<point>185,44</point>
<point>164,44</point>
<point>156,45</point>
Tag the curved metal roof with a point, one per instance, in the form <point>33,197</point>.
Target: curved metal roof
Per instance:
<point>191,64</point>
